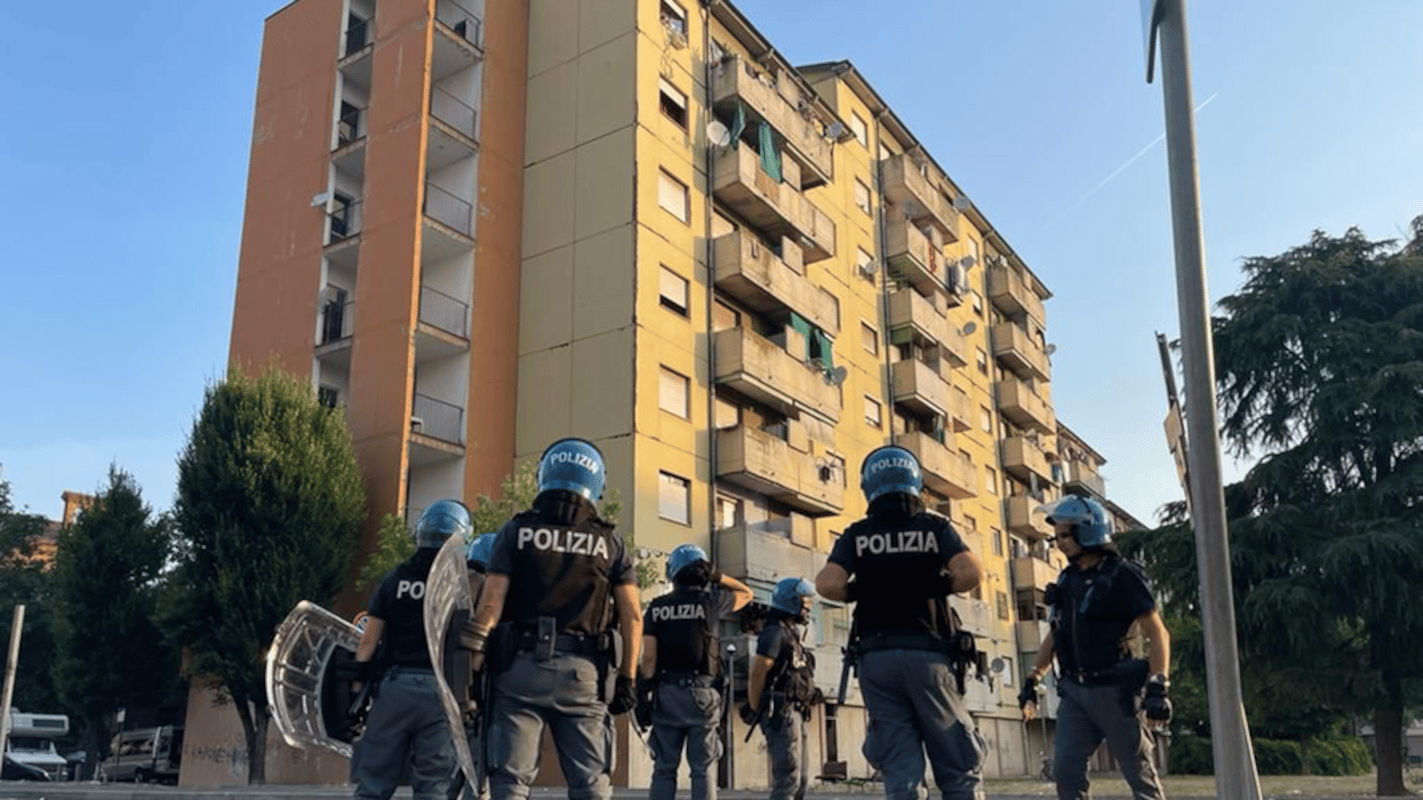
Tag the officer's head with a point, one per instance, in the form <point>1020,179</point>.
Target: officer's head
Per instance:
<point>476,555</point>
<point>793,596</point>
<point>888,470</point>
<point>682,565</point>
<point>574,465</point>
<point>441,520</point>
<point>1082,519</point>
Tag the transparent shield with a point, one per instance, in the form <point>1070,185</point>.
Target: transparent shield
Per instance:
<point>447,591</point>
<point>296,666</point>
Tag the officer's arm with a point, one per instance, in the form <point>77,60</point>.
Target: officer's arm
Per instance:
<point>1159,647</point>
<point>1044,656</point>
<point>629,626</point>
<point>965,572</point>
<point>760,667</point>
<point>831,582</point>
<point>370,639</point>
<point>491,603</point>
<point>739,591</point>
<point>649,656</point>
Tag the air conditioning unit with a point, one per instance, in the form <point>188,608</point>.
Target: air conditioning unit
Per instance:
<point>955,279</point>
<point>676,39</point>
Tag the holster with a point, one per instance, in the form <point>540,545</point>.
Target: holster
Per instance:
<point>499,650</point>
<point>609,660</point>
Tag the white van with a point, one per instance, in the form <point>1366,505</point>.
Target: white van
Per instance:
<point>145,754</point>
<point>31,742</point>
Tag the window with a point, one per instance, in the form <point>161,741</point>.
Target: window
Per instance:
<point>872,411</point>
<point>865,265</point>
<point>673,288</point>
<point>672,393</point>
<point>969,523</point>
<point>862,196</point>
<point>328,396</point>
<point>728,511</point>
<point>857,127</point>
<point>674,498</point>
<point>672,195</point>
<point>985,419</point>
<point>982,361</point>
<point>977,300</point>
<point>673,103</point>
<point>869,338</point>
<point>1002,601</point>
<point>674,17</point>
<point>1007,669</point>
<point>998,543</point>
<point>991,476</point>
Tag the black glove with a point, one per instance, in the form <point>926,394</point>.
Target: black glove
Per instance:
<point>1029,693</point>
<point>643,712</point>
<point>715,577</point>
<point>852,592</point>
<point>1156,704</point>
<point>748,714</point>
<point>624,696</point>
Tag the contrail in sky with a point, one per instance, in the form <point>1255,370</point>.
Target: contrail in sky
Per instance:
<point>1119,170</point>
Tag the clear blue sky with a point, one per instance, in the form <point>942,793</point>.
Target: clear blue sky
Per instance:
<point>124,157</point>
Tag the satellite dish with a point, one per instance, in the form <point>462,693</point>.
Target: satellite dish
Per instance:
<point>969,327</point>
<point>836,130</point>
<point>869,268</point>
<point>718,134</point>
<point>1050,349</point>
<point>996,665</point>
<point>967,262</point>
<point>962,203</point>
<point>837,376</point>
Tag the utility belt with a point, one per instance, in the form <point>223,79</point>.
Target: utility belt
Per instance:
<point>687,680</point>
<point>401,669</point>
<point>956,647</point>
<point>530,640</point>
<point>1129,672</point>
<point>541,638</point>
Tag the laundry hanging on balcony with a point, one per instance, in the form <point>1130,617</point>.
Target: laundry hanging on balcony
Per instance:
<point>770,156</point>
<point>738,125</point>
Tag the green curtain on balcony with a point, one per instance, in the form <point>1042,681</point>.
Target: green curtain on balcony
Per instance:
<point>770,156</point>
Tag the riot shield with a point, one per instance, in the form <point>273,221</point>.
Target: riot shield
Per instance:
<point>448,605</point>
<point>309,703</point>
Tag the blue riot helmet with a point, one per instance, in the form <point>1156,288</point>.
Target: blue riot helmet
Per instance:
<point>575,465</point>
<point>684,556</point>
<point>789,596</point>
<point>890,469</point>
<point>477,554</point>
<point>1088,519</point>
<point>441,520</point>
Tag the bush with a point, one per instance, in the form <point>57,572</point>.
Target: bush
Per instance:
<point>1191,755</point>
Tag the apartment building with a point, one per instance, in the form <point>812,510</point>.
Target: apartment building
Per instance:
<point>480,227</point>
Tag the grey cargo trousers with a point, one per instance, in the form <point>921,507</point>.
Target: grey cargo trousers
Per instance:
<point>687,711</point>
<point>1086,716</point>
<point>406,728</point>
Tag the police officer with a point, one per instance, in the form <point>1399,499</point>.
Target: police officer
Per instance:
<point>782,686</point>
<point>681,674</point>
<point>556,576</point>
<point>476,559</point>
<point>1094,604</point>
<point>406,726</point>
<point>905,560</point>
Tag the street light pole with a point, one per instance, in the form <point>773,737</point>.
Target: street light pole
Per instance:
<point>1235,773</point>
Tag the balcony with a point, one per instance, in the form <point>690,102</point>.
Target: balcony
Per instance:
<point>911,191</point>
<point>759,461</point>
<point>747,270</point>
<point>774,99</point>
<point>350,127</point>
<point>1010,292</point>
<point>918,387</point>
<point>357,44</point>
<point>980,695</point>
<point>946,471</point>
<point>973,614</point>
<point>961,415</point>
<point>344,222</point>
<point>912,316</point>
<point>443,326</point>
<point>910,255</point>
<point>768,551</point>
<point>765,372</point>
<point>1025,460</point>
<point>1032,571</point>
<point>1081,477</point>
<point>1031,634</point>
<point>1021,405</point>
<point>436,430</point>
<point>458,40</point>
<point>1015,348</point>
<point>777,209</point>
<point>449,210</point>
<point>454,130</point>
<point>1021,516</point>
<point>360,34</point>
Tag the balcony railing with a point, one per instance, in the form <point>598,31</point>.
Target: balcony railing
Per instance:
<point>1019,352</point>
<point>336,321</point>
<point>762,462</point>
<point>946,471</point>
<point>1012,294</point>
<point>1032,571</point>
<point>737,81</point>
<point>358,35</point>
<point>776,208</point>
<point>460,20</point>
<point>350,127</point>
<point>1081,476</point>
<point>437,419</point>
<point>749,271</point>
<point>345,221</point>
<point>1024,458</point>
<point>921,389</point>
<point>764,371</point>
<point>454,112</point>
<point>444,312</point>
<point>447,209</point>
<point>912,191</point>
<point>1020,404</point>
<point>1022,517</point>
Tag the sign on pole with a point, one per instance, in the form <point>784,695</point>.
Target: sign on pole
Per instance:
<point>1150,17</point>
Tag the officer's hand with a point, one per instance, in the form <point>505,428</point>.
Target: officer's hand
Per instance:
<point>748,714</point>
<point>1156,704</point>
<point>1029,694</point>
<point>624,697</point>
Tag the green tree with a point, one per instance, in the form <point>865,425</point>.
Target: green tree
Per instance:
<point>23,580</point>
<point>108,569</point>
<point>269,505</point>
<point>1319,361</point>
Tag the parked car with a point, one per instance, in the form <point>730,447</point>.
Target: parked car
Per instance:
<point>145,754</point>
<point>19,771</point>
